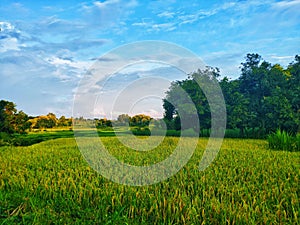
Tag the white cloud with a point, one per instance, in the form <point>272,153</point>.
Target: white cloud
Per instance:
<point>106,3</point>
<point>163,26</point>
<point>6,27</point>
<point>286,4</point>
<point>107,14</point>
<point>151,26</point>
<point>9,44</point>
<point>68,70</point>
<point>166,14</point>
<point>201,14</point>
<point>283,60</point>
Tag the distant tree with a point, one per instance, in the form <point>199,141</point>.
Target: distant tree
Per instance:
<point>70,121</point>
<point>21,122</point>
<point>140,120</point>
<point>123,119</point>
<point>103,123</point>
<point>43,122</point>
<point>51,120</point>
<point>62,122</point>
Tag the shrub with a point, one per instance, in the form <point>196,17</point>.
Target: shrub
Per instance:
<point>173,133</point>
<point>4,139</point>
<point>139,131</point>
<point>282,140</point>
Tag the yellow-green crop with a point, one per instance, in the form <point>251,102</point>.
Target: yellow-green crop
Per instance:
<point>50,183</point>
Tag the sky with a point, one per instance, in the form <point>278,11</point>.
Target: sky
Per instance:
<point>47,47</point>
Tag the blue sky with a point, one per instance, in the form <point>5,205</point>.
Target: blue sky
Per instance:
<point>47,46</point>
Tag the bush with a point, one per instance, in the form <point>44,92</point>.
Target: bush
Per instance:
<point>4,139</point>
<point>281,140</point>
<point>173,133</point>
<point>139,131</point>
<point>189,133</point>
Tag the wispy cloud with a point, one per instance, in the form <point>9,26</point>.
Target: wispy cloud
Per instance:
<point>167,14</point>
<point>286,4</point>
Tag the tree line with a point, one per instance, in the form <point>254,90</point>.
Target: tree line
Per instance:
<point>262,99</point>
<point>14,121</point>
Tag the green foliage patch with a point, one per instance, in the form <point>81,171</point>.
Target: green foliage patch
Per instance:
<point>282,140</point>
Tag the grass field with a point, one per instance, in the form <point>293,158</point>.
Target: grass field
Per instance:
<point>50,183</point>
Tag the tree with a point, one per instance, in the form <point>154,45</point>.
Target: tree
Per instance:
<point>51,120</point>
<point>103,123</point>
<point>7,112</point>
<point>186,99</point>
<point>62,121</point>
<point>43,122</point>
<point>254,86</point>
<point>21,122</point>
<point>12,121</point>
<point>238,114</point>
<point>140,120</point>
<point>123,119</point>
<point>264,98</point>
<point>293,87</point>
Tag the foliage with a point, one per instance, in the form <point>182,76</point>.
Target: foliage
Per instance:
<point>265,98</point>
<point>123,119</point>
<point>103,123</point>
<point>51,183</point>
<point>64,122</point>
<point>140,120</point>
<point>281,140</point>
<point>141,131</point>
<point>186,98</point>
<point>12,121</point>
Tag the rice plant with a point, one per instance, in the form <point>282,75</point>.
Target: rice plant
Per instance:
<point>51,183</point>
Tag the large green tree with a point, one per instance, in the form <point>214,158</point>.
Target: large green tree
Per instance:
<point>238,113</point>
<point>12,121</point>
<point>185,99</point>
<point>293,86</point>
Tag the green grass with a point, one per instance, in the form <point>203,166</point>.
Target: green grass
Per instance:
<point>282,140</point>
<point>50,183</point>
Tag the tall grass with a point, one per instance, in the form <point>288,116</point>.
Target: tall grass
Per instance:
<point>50,183</point>
<point>282,140</point>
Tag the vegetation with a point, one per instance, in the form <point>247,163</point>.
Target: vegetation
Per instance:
<point>264,98</point>
<point>12,121</point>
<point>281,140</point>
<point>49,121</point>
<point>50,183</point>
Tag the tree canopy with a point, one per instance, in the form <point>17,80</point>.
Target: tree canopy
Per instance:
<point>264,98</point>
<point>12,121</point>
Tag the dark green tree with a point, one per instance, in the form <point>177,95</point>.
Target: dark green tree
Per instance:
<point>7,114</point>
<point>238,114</point>
<point>21,122</point>
<point>185,98</point>
<point>12,121</point>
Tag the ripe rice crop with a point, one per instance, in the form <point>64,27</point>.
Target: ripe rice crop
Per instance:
<point>51,183</point>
